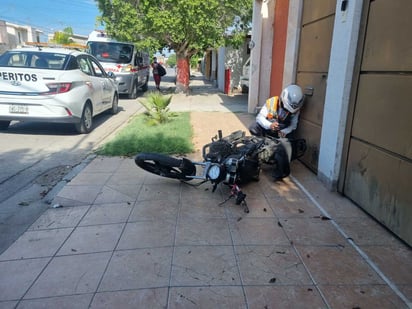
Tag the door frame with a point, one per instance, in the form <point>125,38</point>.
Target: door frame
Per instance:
<point>353,94</point>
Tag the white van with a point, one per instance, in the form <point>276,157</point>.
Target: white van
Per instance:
<point>130,66</point>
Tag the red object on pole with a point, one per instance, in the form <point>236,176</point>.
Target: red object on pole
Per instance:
<point>227,81</point>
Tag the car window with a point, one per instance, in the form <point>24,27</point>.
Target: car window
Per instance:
<point>10,59</point>
<point>126,53</point>
<point>98,69</point>
<point>91,66</point>
<point>111,51</point>
<point>34,59</point>
<point>72,64</point>
<point>40,62</point>
<point>84,66</point>
<point>17,60</point>
<point>57,61</point>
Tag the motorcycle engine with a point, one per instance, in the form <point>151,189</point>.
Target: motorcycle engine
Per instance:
<point>241,170</point>
<point>218,150</point>
<point>231,166</point>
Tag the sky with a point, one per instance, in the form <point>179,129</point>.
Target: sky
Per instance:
<point>50,16</point>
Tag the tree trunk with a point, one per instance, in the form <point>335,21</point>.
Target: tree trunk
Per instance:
<point>183,73</point>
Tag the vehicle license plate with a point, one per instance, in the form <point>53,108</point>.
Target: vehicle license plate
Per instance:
<point>18,109</point>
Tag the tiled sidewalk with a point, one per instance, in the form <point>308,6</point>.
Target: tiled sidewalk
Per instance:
<point>124,238</point>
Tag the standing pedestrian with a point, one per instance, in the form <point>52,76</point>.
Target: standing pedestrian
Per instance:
<point>156,76</point>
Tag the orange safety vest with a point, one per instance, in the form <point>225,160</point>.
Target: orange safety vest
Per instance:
<point>272,107</point>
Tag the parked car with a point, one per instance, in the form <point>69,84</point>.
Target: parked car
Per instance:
<point>54,85</point>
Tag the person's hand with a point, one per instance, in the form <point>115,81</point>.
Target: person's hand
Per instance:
<point>274,126</point>
<point>281,134</point>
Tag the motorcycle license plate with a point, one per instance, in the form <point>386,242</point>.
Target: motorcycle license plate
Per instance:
<point>18,109</point>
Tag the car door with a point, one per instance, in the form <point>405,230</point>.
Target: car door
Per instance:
<point>94,84</point>
<point>107,83</point>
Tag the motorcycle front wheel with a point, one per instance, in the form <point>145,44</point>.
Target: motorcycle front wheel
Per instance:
<point>166,166</point>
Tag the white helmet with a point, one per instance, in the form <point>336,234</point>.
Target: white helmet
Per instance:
<point>292,98</point>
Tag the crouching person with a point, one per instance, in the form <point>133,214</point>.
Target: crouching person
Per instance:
<point>280,115</point>
<point>278,118</point>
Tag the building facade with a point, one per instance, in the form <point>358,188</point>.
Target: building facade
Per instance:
<point>353,59</point>
<point>217,61</point>
<point>13,35</point>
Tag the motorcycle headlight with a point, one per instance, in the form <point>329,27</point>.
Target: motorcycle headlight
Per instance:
<point>214,172</point>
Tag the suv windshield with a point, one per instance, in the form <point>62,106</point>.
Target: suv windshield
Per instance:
<point>33,59</point>
<point>111,52</point>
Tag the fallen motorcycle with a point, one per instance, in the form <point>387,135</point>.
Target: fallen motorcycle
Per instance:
<point>231,160</point>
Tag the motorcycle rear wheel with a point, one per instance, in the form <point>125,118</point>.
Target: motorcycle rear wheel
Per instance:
<point>166,166</point>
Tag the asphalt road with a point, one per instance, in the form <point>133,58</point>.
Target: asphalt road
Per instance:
<point>35,157</point>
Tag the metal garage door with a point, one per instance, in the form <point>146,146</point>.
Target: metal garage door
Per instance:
<point>312,71</point>
<point>379,162</point>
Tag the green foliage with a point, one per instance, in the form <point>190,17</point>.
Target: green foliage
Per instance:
<point>174,137</point>
<point>122,22</point>
<point>171,61</point>
<point>63,37</point>
<point>187,26</point>
<point>194,61</point>
<point>156,106</point>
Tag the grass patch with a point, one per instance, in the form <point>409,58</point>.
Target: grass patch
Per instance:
<point>172,137</point>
